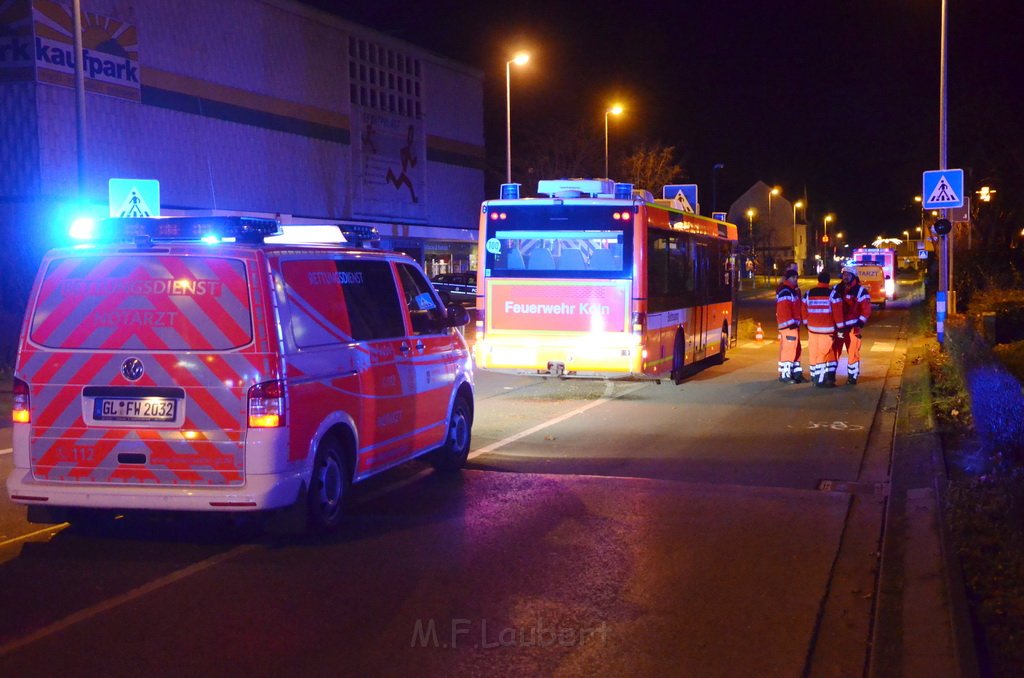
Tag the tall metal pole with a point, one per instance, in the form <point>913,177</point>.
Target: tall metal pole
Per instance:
<point>944,300</point>
<point>606,143</point>
<point>76,9</point>
<point>714,185</point>
<point>508,122</point>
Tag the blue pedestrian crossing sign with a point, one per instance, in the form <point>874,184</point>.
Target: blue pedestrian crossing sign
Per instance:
<point>684,194</point>
<point>134,197</point>
<point>943,189</point>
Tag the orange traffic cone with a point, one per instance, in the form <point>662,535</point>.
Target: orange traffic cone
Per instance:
<point>759,333</point>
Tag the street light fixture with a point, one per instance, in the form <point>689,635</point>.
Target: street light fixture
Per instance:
<point>616,109</point>
<point>519,59</point>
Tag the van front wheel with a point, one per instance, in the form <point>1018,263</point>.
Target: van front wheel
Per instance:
<point>451,456</point>
<point>328,486</point>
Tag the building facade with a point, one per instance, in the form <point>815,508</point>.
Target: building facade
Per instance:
<point>251,107</point>
<point>771,229</point>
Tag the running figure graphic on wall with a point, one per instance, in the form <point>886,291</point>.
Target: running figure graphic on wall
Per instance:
<point>408,160</point>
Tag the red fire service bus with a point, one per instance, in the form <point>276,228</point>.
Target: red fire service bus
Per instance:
<point>598,279</point>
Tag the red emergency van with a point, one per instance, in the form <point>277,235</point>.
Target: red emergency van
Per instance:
<point>197,364</point>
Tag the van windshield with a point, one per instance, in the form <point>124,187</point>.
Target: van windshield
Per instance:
<point>143,302</point>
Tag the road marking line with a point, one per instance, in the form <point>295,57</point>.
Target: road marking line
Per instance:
<point>117,601</point>
<point>886,346</point>
<point>6,451</point>
<point>557,420</point>
<point>15,540</point>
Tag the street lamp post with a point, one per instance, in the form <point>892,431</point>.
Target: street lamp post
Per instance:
<point>824,239</point>
<point>750,237</point>
<point>775,190</point>
<point>714,185</point>
<point>616,109</point>
<point>796,255</point>
<point>518,60</point>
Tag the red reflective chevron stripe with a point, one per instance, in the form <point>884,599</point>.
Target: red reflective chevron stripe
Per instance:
<point>67,396</point>
<point>213,311</point>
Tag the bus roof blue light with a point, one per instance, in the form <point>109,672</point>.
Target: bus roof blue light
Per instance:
<point>83,228</point>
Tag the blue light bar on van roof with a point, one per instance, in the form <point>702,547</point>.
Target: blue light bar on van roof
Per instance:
<point>207,229</point>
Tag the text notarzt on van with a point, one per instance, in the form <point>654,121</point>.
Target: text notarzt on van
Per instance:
<point>213,364</point>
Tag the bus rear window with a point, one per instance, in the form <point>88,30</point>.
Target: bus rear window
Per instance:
<point>143,302</point>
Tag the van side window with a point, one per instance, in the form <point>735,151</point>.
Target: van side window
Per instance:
<point>425,310</point>
<point>342,300</point>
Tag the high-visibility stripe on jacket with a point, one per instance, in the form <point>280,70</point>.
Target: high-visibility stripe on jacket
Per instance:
<point>856,304</point>
<point>789,308</point>
<point>818,309</point>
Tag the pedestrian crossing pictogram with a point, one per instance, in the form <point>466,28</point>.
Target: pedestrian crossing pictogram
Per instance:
<point>135,205</point>
<point>943,192</point>
<point>134,197</point>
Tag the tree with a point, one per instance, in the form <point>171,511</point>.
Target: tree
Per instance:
<point>651,166</point>
<point>566,151</point>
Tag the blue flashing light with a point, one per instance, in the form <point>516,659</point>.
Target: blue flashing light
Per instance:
<point>83,228</point>
<point>205,229</point>
<point>623,191</point>
<point>509,191</point>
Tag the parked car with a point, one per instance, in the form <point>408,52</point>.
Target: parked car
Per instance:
<point>460,287</point>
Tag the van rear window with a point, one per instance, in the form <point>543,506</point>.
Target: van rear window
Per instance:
<point>143,302</point>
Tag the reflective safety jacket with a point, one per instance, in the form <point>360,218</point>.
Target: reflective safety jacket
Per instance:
<point>855,306</point>
<point>819,309</point>
<point>789,308</point>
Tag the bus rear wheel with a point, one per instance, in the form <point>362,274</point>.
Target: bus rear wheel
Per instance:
<point>723,345</point>
<point>678,358</point>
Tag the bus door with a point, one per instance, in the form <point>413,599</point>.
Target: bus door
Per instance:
<point>700,309</point>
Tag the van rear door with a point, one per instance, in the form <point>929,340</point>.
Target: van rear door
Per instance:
<point>138,365</point>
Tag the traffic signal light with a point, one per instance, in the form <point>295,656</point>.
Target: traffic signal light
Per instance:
<point>942,226</point>
<point>824,239</point>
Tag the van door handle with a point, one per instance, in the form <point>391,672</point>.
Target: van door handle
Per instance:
<point>420,345</point>
<point>404,348</point>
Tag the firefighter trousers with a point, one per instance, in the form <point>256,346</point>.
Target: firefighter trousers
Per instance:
<point>852,342</point>
<point>789,354</point>
<point>822,357</point>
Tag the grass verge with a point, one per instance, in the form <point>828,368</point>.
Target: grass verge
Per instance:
<point>984,503</point>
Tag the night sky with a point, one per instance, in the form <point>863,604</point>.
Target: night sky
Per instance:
<point>835,99</point>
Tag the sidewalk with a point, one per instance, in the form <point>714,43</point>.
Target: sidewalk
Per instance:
<point>921,625</point>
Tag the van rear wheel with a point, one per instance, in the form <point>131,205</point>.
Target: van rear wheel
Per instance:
<point>452,455</point>
<point>328,486</point>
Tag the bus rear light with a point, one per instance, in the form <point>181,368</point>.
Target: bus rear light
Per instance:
<point>21,412</point>
<point>266,405</point>
<point>638,323</point>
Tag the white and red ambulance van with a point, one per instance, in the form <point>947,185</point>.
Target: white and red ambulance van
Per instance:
<point>196,364</point>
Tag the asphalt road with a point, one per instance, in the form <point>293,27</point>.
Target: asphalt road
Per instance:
<point>725,526</point>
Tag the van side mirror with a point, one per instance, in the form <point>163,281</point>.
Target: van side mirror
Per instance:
<point>456,315</point>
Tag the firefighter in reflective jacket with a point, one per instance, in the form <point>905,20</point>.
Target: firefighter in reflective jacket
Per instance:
<point>789,314</point>
<point>855,310</point>
<point>819,316</point>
